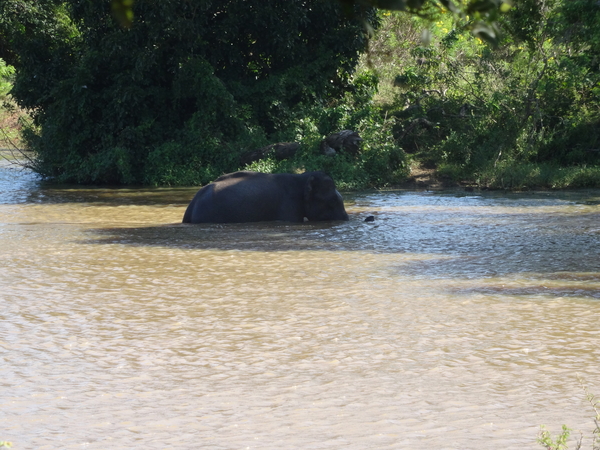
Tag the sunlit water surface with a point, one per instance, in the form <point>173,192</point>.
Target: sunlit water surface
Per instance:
<point>455,320</point>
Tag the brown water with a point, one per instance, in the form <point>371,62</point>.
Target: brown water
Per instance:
<point>455,321</point>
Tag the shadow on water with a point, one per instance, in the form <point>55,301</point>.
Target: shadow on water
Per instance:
<point>587,287</point>
<point>543,263</point>
<point>16,183</point>
<point>454,234</point>
<point>449,245</point>
<point>19,185</point>
<point>265,237</point>
<point>103,196</point>
<point>111,196</point>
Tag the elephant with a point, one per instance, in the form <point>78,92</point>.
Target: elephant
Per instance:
<point>257,197</point>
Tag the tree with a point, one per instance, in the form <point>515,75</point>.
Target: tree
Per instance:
<point>493,115</point>
<point>177,96</point>
<point>483,13</point>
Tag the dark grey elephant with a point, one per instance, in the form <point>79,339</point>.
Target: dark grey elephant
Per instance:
<point>257,197</point>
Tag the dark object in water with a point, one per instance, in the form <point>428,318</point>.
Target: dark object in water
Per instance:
<point>346,141</point>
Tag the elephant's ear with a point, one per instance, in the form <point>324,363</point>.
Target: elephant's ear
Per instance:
<point>308,188</point>
<point>318,186</point>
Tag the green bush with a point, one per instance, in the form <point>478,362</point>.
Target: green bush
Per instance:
<point>176,98</point>
<point>380,161</point>
<point>6,79</point>
<point>188,89</point>
<point>470,109</point>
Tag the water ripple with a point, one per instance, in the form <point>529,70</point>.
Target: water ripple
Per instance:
<point>452,321</point>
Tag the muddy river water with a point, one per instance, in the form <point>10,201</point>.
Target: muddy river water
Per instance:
<point>455,320</point>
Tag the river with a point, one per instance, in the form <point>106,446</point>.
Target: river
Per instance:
<point>455,320</point>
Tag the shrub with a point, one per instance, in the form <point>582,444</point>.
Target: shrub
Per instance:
<point>186,89</point>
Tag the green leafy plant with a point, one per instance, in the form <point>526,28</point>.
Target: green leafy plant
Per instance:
<point>6,79</point>
<point>559,443</point>
<point>186,87</point>
<point>471,110</point>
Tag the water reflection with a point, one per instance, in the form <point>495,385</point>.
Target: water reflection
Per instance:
<point>452,321</point>
<point>16,183</point>
<point>475,236</point>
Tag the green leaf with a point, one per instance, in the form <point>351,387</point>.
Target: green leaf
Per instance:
<point>481,6</point>
<point>450,6</point>
<point>122,11</point>
<point>485,32</point>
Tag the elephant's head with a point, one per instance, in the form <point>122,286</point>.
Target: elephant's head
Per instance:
<point>322,201</point>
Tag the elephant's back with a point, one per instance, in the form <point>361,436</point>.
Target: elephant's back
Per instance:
<point>201,207</point>
<point>248,197</point>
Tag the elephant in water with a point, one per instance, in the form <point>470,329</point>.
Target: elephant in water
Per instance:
<point>257,197</point>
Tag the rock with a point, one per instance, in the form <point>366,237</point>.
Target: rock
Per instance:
<point>285,150</point>
<point>327,150</point>
<point>346,141</point>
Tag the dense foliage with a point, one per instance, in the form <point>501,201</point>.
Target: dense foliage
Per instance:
<point>189,88</point>
<point>6,78</point>
<point>483,14</point>
<point>178,96</point>
<point>499,116</point>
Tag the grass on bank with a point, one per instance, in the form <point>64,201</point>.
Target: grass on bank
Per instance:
<point>546,440</point>
<point>11,116</point>
<point>10,126</point>
<point>523,176</point>
<point>525,115</point>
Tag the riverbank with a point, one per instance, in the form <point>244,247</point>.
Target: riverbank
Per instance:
<point>504,176</point>
<point>514,177</point>
<point>11,124</point>
<point>511,178</point>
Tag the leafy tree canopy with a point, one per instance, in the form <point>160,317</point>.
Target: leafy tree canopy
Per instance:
<point>482,14</point>
<point>187,87</point>
<point>178,91</point>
